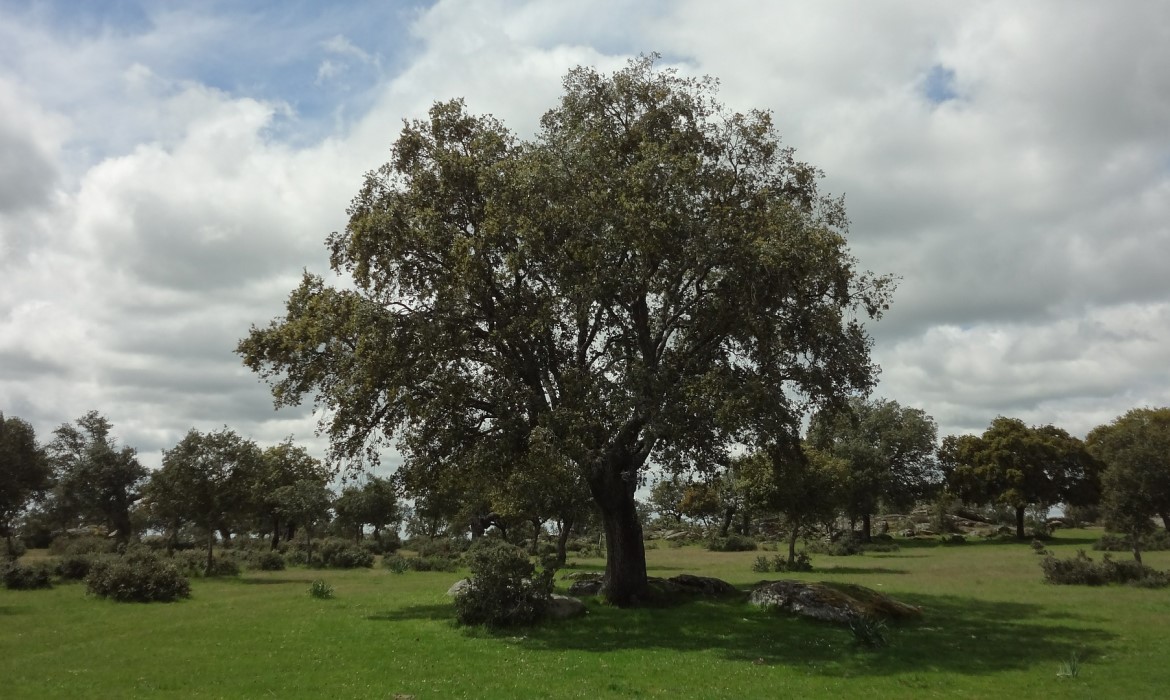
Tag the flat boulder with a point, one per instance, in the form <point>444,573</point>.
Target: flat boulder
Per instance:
<point>563,607</point>
<point>459,587</point>
<point>832,602</point>
<point>586,584</point>
<point>702,585</point>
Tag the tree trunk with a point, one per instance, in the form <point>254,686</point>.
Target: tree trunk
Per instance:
<point>566,526</point>
<point>745,522</point>
<point>1020,522</point>
<point>210,544</point>
<point>536,523</point>
<point>625,553</point>
<point>728,516</point>
<point>792,544</point>
<point>866,528</point>
<point>275,532</point>
<point>1137,547</point>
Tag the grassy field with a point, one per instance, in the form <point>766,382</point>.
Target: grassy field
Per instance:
<point>990,629</point>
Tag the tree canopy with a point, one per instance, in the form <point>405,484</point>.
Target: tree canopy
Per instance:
<point>1017,466</point>
<point>1135,449</point>
<point>24,472</point>
<point>890,451</point>
<point>651,279</point>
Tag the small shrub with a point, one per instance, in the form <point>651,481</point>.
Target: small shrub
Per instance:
<point>1159,540</point>
<point>733,543</point>
<point>83,544</point>
<point>396,563</point>
<point>343,554</point>
<point>761,565</point>
<point>193,564</point>
<point>436,563</point>
<point>869,632</point>
<point>13,549</point>
<point>137,577</point>
<point>1070,668</point>
<point>947,539</point>
<point>1082,570</point>
<point>801,562</point>
<point>506,590</point>
<point>73,567</point>
<point>26,577</point>
<point>321,590</point>
<point>270,561</point>
<point>844,546</point>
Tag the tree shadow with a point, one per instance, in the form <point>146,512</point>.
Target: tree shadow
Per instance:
<point>272,581</point>
<point>956,634</point>
<point>436,612</point>
<point>858,570</point>
<point>14,610</point>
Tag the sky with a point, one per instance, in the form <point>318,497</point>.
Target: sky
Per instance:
<point>168,170</point>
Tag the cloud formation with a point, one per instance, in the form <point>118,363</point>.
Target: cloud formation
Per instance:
<point>166,174</point>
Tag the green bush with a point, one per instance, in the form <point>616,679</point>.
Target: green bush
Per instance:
<point>1083,571</point>
<point>733,543</point>
<point>505,590</point>
<point>844,546</point>
<point>435,563</point>
<point>83,544</point>
<point>270,561</point>
<point>779,563</point>
<point>12,550</point>
<point>193,564</point>
<point>26,577</point>
<point>140,577</point>
<point>337,553</point>
<point>74,567</point>
<point>320,589</point>
<point>1158,540</point>
<point>761,565</point>
<point>396,563</point>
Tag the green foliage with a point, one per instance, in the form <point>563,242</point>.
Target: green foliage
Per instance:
<point>270,561</point>
<point>24,473</point>
<point>1069,669</point>
<point>844,546</point>
<point>433,563</point>
<point>643,280</point>
<point>869,632</point>
<point>1082,570</point>
<point>337,553</point>
<point>74,567</point>
<point>1136,484</point>
<point>83,544</point>
<point>779,564</point>
<point>97,480</point>
<point>24,577</point>
<point>733,543</point>
<point>396,563</point>
<point>1155,541</point>
<point>321,590</point>
<point>505,589</point>
<point>139,577</point>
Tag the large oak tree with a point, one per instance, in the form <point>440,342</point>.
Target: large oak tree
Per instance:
<point>637,281</point>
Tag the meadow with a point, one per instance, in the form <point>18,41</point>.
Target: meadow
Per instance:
<point>990,628</point>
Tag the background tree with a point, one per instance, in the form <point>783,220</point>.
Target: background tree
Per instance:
<point>24,473</point>
<point>1017,466</point>
<point>206,479</point>
<point>97,481</point>
<point>804,485</point>
<point>633,280</point>
<point>373,503</point>
<point>666,498</point>
<point>280,465</point>
<point>1135,449</point>
<point>307,503</point>
<point>890,451</point>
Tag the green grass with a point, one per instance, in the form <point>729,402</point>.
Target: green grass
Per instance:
<point>990,628</point>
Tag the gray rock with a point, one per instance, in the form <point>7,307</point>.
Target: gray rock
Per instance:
<point>586,586</point>
<point>459,587</point>
<point>702,585</point>
<point>839,603</point>
<point>563,607</point>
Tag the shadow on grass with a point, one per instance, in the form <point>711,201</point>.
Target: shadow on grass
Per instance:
<point>961,635</point>
<point>275,581</point>
<point>13,610</point>
<point>858,570</point>
<point>955,634</point>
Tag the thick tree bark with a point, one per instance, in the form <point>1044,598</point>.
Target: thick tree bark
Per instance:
<point>1020,522</point>
<point>275,533</point>
<point>210,545</point>
<point>725,526</point>
<point>866,528</point>
<point>792,543</point>
<point>537,524</point>
<point>566,526</point>
<point>625,553</point>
